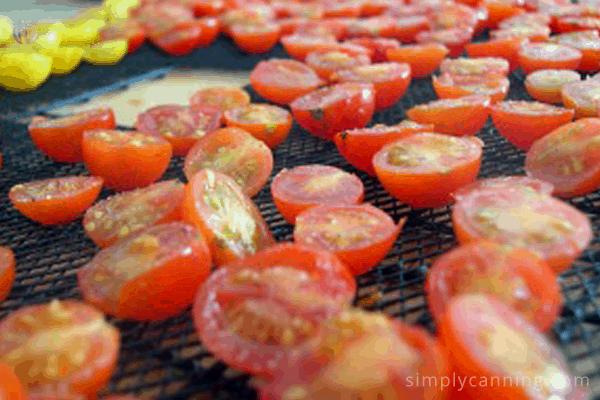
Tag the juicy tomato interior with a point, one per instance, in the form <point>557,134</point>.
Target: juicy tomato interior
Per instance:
<point>475,66</point>
<point>546,85</point>
<point>452,86</point>
<point>536,56</point>
<point>220,97</point>
<point>583,97</point>
<point>268,123</point>
<point>326,63</point>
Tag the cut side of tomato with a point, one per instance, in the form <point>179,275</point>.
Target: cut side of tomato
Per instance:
<point>454,86</point>
<point>587,42</point>
<point>524,20</point>
<point>297,189</point>
<point>124,214</point>
<point>268,123</point>
<point>446,16</point>
<point>546,85</point>
<point>567,158</point>
<point>7,275</point>
<point>255,38</point>
<point>299,44</point>
<point>56,200</point>
<point>524,122</point>
<point>515,276</point>
<point>121,280</point>
<point>60,139</point>
<point>233,152</point>
<point>79,354</point>
<point>378,46</point>
<point>534,33</point>
<point>220,97</point>
<point>489,66</point>
<point>326,63</point>
<point>327,111</point>
<point>232,225</point>
<point>507,182</point>
<point>407,28</point>
<point>583,96</point>
<point>424,169</point>
<point>500,10</point>
<point>553,229</point>
<point>536,56</point>
<point>180,40</point>
<point>507,49</point>
<point>359,235</point>
<point>423,59</point>
<point>463,116</point>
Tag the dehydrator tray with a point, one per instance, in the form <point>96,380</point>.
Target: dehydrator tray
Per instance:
<point>165,360</point>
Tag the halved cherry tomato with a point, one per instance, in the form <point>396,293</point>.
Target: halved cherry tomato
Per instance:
<point>246,14</point>
<point>125,214</point>
<point>55,200</point>
<point>358,146</point>
<point>10,386</point>
<point>454,86</point>
<point>321,28</point>
<point>228,219</point>
<point>152,275</point>
<point>424,169</point>
<point>522,217</point>
<point>372,8</point>
<point>379,46</point>
<point>326,63</point>
<point>503,48</point>
<point>234,152</point>
<point>179,125</point>
<point>452,15</point>
<point>159,18</point>
<point>210,30</point>
<point>7,276</point>
<point>422,58</point>
<point>455,39</point>
<point>587,42</point>
<point>341,8</point>
<point>567,158</point>
<point>366,356</point>
<point>516,276</point>
<point>389,79</point>
<point>475,66</point>
<point>327,111</point>
<point>380,26</point>
<point>127,29</point>
<point>359,235</point>
<point>268,123</point>
<point>535,33</point>
<point>507,182</point>
<point>298,45</point>
<point>524,20</point>
<point>126,160</point>
<point>221,97</point>
<point>254,312</point>
<point>282,81</point>
<point>576,23</point>
<point>300,188</point>
<point>500,10</point>
<point>78,354</point>
<point>60,139</point>
<point>536,56</point>
<point>463,116</point>
<point>524,122</point>
<point>208,7</point>
<point>292,9</point>
<point>546,85</point>
<point>255,38</point>
<point>583,97</point>
<point>407,28</point>
<point>180,40</point>
<point>489,342</point>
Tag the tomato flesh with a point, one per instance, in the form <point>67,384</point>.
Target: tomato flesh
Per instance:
<point>223,98</point>
<point>536,56</point>
<point>455,39</point>
<point>475,66</point>
<point>454,86</point>
<point>507,49</point>
<point>583,96</point>
<point>379,46</point>
<point>268,123</point>
<point>546,85</point>
<point>326,63</point>
<point>7,272</point>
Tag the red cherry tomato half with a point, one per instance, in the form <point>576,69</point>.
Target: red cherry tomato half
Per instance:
<point>587,42</point>
<point>7,274</point>
<point>160,18</point>
<point>499,10</point>
<point>179,125</point>
<point>180,40</point>
<point>583,97</point>
<point>507,49</point>
<point>10,386</point>
<point>298,45</point>
<point>359,235</point>
<point>268,123</point>
<point>358,146</point>
<point>447,16</point>
<point>124,214</point>
<point>534,33</point>
<point>208,7</point>
<point>234,152</point>
<point>364,355</point>
<point>152,275</point>
<point>282,81</point>
<point>129,30</point>
<point>252,313</point>
<point>573,24</point>
<point>126,160</point>
<point>524,20</point>
<point>516,276</point>
<point>371,27</point>
<point>524,122</point>
<point>321,28</point>
<point>297,189</point>
<point>223,98</point>
<point>79,353</point>
<point>341,8</point>
<point>60,139</point>
<point>567,158</point>
<point>423,59</point>
<point>326,63</point>
<point>246,14</point>
<point>56,200</point>
<point>454,86</point>
<point>424,169</point>
<point>536,56</point>
<point>507,182</point>
<point>255,38</point>
<point>378,46</point>
<point>463,116</point>
<point>455,39</point>
<point>211,27</point>
<point>389,79</point>
<point>327,111</point>
<point>551,228</point>
<point>482,336</point>
<point>407,28</point>
<point>546,85</point>
<point>226,216</point>
<point>475,66</point>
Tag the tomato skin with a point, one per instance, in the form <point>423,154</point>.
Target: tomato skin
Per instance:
<point>379,46</point>
<point>352,108</point>
<point>502,48</point>
<point>7,273</point>
<point>358,146</point>
<point>377,239</point>
<point>211,27</point>
<point>125,160</point>
<point>10,386</point>
<point>255,39</point>
<point>61,139</point>
<point>423,59</point>
<point>271,132</point>
<point>455,39</point>
<point>523,126</point>
<point>587,42</point>
<point>541,304</point>
<point>536,56</point>
<point>464,116</point>
<point>452,86</point>
<point>216,205</point>
<point>420,183</point>
<point>499,11</point>
<point>566,157</point>
<point>292,191</point>
<point>180,40</point>
<point>270,79</point>
<point>546,85</point>
<point>407,28</point>
<point>174,254</point>
<point>326,63</point>
<point>56,200</point>
<point>582,97</point>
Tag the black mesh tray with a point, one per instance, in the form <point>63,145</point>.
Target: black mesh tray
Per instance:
<point>164,360</point>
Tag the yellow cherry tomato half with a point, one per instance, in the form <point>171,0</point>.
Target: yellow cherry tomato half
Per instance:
<point>105,53</point>
<point>64,59</point>
<point>24,71</point>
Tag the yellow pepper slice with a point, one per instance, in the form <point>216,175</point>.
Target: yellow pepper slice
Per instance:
<point>64,59</point>
<point>82,33</point>
<point>6,31</point>
<point>106,53</point>
<point>24,71</point>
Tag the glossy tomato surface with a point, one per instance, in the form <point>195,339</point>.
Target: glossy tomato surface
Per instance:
<point>455,39</point>
<point>536,56</point>
<point>7,271</point>
<point>268,123</point>
<point>507,48</point>
<point>453,86</point>
<point>583,97</point>
<point>180,40</point>
<point>326,63</point>
<point>129,30</point>
<point>379,46</point>
<point>55,200</point>
<point>475,66</point>
<point>587,42</point>
<point>422,58</point>
<point>255,38</point>
<point>223,98</point>
<point>546,85</point>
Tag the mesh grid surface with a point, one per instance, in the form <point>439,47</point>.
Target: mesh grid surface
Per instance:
<point>164,360</point>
